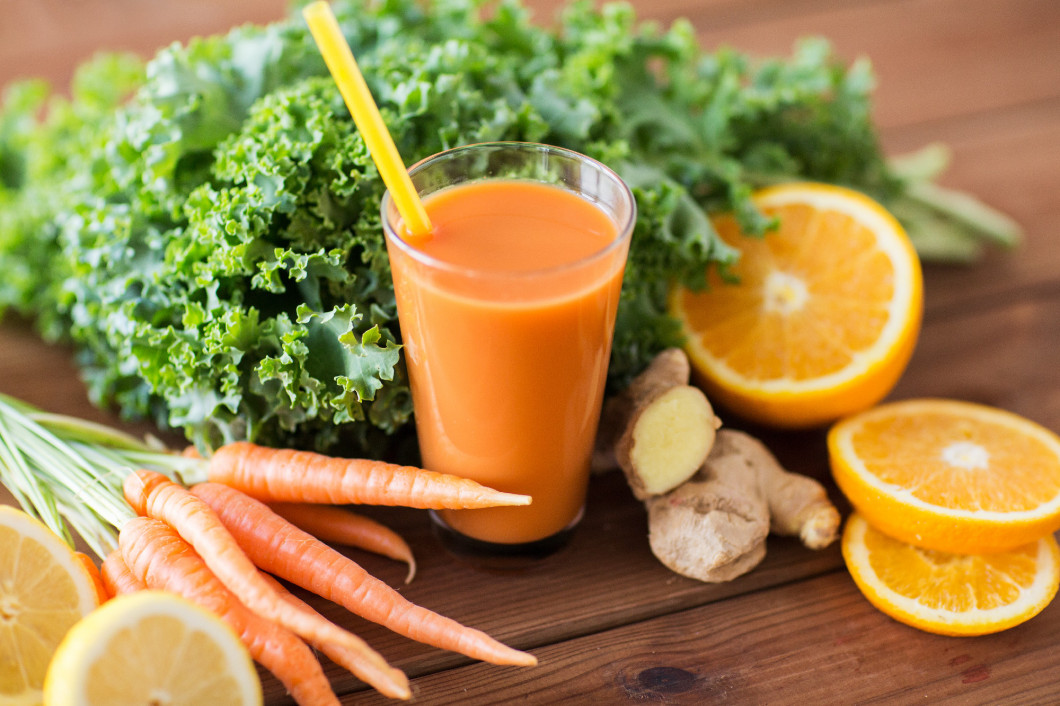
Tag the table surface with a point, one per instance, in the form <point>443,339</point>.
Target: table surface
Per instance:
<point>606,620</point>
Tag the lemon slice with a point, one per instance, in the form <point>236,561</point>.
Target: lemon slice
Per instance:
<point>151,647</point>
<point>825,315</point>
<point>951,594</point>
<point>44,591</point>
<point>949,475</point>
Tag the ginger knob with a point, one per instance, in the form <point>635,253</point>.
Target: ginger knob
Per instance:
<point>714,526</point>
<point>712,496</point>
<point>659,429</point>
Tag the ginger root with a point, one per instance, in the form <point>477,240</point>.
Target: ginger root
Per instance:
<point>714,526</point>
<point>712,496</point>
<point>659,429</point>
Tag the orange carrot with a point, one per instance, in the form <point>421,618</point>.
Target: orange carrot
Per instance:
<point>117,577</point>
<point>93,571</point>
<point>154,495</point>
<point>375,672</point>
<point>368,665</point>
<point>161,559</point>
<point>286,475</point>
<point>280,548</point>
<point>341,526</point>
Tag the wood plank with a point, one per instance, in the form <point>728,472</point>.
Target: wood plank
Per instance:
<point>1005,357</point>
<point>610,548</point>
<point>934,59</point>
<point>964,56</point>
<point>1010,342</point>
<point>997,154</point>
<point>1006,158</point>
<point>605,577</point>
<point>818,643</point>
<point>44,375</point>
<point>721,16</point>
<point>48,38</point>
<point>609,622</point>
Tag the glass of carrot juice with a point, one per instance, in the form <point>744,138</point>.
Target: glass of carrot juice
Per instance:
<point>506,313</point>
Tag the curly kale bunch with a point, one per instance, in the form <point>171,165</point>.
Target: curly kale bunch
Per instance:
<point>205,228</point>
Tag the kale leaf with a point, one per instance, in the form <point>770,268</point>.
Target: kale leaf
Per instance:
<point>205,227</point>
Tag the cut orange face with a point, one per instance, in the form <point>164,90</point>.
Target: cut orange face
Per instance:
<point>825,315</point>
<point>951,594</point>
<point>949,475</point>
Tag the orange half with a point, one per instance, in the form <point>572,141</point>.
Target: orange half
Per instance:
<point>825,315</point>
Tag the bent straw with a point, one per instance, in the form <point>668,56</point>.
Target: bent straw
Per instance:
<point>343,67</point>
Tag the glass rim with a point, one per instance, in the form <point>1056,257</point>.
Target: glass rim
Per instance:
<point>623,232</point>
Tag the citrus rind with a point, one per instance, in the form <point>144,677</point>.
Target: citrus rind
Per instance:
<point>1032,599</point>
<point>86,665</point>
<point>42,596</point>
<point>872,371</point>
<point>898,512</point>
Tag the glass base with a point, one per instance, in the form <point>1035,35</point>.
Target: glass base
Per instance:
<point>497,555</point>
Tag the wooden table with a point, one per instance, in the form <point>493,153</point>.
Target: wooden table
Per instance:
<point>607,621</point>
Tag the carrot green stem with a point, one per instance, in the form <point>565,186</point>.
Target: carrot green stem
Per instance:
<point>68,471</point>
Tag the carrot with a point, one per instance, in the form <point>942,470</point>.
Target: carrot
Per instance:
<point>286,475</point>
<point>340,526</point>
<point>391,682</point>
<point>280,548</point>
<point>117,577</point>
<point>368,665</point>
<point>93,572</point>
<point>154,495</point>
<point>162,560</point>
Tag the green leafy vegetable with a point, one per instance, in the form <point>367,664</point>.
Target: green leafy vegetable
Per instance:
<point>69,472</point>
<point>205,228</point>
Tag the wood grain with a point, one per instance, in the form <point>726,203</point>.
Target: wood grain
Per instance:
<point>934,59</point>
<point>608,622</point>
<point>49,38</point>
<point>815,643</point>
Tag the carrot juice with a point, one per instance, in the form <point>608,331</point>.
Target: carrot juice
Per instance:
<point>506,313</point>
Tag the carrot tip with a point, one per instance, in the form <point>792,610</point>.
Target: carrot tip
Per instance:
<point>399,687</point>
<point>524,659</point>
<point>512,499</point>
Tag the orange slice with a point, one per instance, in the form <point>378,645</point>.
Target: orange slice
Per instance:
<point>951,594</point>
<point>825,315</point>
<point>948,475</point>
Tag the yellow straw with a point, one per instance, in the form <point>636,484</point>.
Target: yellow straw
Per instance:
<point>343,67</point>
